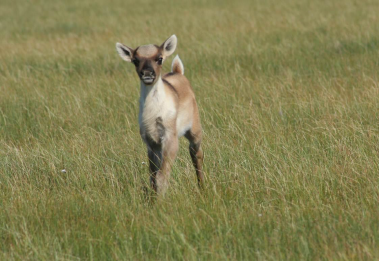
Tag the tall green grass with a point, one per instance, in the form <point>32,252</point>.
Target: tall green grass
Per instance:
<point>289,99</point>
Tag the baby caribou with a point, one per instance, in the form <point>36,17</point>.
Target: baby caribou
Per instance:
<point>167,110</point>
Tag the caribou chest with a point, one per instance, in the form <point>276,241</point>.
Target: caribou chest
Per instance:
<point>156,111</point>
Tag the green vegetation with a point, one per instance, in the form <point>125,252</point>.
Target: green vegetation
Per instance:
<point>289,100</point>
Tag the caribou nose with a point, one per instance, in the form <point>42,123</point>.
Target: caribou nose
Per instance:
<point>147,73</point>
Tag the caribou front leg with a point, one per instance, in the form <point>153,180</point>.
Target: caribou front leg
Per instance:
<point>169,150</point>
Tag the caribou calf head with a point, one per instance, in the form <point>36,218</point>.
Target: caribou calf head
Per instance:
<point>148,59</point>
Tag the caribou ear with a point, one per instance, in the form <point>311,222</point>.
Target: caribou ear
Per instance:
<point>126,53</point>
<point>169,46</point>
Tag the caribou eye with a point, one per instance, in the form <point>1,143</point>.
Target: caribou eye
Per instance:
<point>160,60</point>
<point>136,62</point>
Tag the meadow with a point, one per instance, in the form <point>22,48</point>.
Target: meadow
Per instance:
<point>288,93</point>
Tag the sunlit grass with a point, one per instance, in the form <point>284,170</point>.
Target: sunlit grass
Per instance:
<point>289,99</point>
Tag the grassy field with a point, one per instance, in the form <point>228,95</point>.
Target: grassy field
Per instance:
<point>289,99</point>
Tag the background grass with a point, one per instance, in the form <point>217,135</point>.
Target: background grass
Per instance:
<point>289,100</point>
